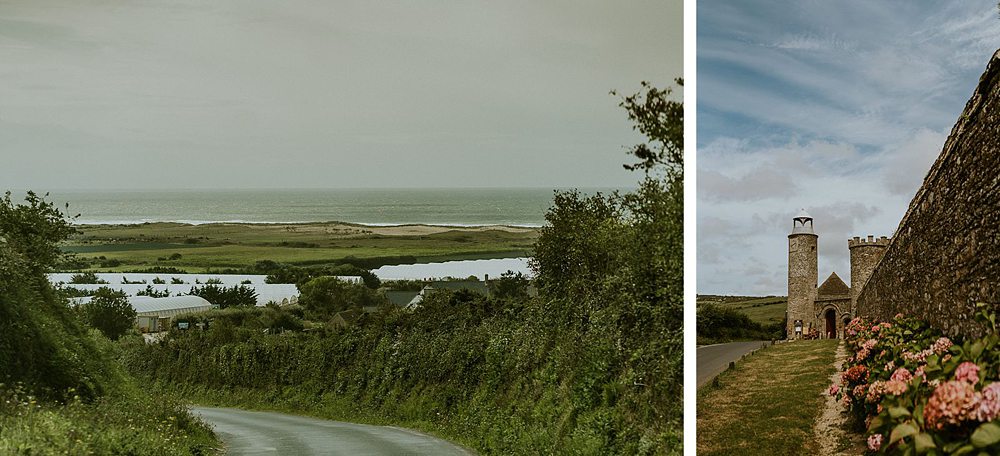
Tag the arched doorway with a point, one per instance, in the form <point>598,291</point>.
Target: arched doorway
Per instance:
<point>831,324</point>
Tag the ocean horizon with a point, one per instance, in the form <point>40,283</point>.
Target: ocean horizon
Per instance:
<point>464,207</point>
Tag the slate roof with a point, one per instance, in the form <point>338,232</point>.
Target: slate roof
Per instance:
<point>833,286</point>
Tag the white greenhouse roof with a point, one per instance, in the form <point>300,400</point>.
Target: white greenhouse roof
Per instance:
<point>146,304</point>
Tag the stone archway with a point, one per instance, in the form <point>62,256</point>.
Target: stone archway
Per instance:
<point>831,323</point>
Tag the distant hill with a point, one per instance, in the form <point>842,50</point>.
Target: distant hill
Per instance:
<point>761,309</point>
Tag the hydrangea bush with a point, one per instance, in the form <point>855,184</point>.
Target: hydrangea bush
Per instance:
<point>919,392</point>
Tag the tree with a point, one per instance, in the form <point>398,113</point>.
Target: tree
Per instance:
<point>329,295</point>
<point>110,312</point>
<point>661,120</point>
<point>235,296</point>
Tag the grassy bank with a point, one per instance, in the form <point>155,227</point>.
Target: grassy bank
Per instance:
<point>196,248</point>
<point>769,403</point>
<point>130,423</point>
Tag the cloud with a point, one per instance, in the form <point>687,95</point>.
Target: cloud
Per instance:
<point>836,107</point>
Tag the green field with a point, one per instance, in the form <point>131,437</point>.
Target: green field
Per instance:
<point>235,245</point>
<point>764,310</point>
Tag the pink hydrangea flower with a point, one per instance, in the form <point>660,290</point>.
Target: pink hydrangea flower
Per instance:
<point>951,403</point>
<point>869,344</point>
<point>834,389</point>
<point>875,392</point>
<point>875,442</point>
<point>895,387</point>
<point>967,372</point>
<point>941,345</point>
<point>988,406</point>
<point>902,375</point>
<point>890,366</point>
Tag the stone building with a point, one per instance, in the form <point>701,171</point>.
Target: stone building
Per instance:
<point>824,310</point>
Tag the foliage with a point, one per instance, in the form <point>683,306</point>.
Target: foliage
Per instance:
<point>918,392</point>
<point>225,297</point>
<point>153,292</point>
<point>718,324</point>
<point>325,296</point>
<point>661,120</point>
<point>136,423</point>
<point>109,312</point>
<point>86,278</point>
<point>42,344</point>
<point>286,273</point>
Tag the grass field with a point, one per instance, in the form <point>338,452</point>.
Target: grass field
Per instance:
<point>196,248</point>
<point>769,403</point>
<point>764,310</point>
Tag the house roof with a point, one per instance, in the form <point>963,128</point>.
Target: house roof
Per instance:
<point>833,286</point>
<point>401,298</point>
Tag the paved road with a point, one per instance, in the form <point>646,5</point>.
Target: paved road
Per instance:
<point>251,433</point>
<point>713,359</point>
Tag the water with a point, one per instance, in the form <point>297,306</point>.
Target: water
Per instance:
<point>462,207</point>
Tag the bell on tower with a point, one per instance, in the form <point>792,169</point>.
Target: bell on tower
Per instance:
<point>802,223</point>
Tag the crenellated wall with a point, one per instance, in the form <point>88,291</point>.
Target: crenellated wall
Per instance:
<point>945,255</point>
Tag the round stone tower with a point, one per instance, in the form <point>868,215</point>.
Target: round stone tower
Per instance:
<point>802,274</point>
<point>865,254</point>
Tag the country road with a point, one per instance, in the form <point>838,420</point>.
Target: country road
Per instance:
<point>268,433</point>
<point>713,359</point>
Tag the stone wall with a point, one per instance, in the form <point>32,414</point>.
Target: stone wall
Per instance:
<point>945,255</point>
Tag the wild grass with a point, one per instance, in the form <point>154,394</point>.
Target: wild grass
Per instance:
<point>768,403</point>
<point>135,422</point>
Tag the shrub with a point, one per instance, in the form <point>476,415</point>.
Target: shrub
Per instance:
<point>918,392</point>
<point>85,278</point>
<point>109,312</point>
<point>225,297</point>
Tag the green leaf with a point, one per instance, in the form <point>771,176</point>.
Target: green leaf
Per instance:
<point>902,431</point>
<point>986,435</point>
<point>977,349</point>
<point>898,412</point>
<point>924,442</point>
<point>964,450</point>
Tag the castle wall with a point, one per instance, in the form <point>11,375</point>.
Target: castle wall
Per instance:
<point>865,255</point>
<point>945,255</point>
<point>803,274</point>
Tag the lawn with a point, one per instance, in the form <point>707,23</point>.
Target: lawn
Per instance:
<point>769,403</point>
<point>235,245</point>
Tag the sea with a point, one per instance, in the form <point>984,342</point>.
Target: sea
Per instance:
<point>457,207</point>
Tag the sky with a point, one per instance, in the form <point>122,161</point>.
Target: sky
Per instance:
<point>836,107</point>
<point>325,94</point>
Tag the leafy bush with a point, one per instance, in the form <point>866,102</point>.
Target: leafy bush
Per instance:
<point>85,278</point>
<point>325,296</point>
<point>718,324</point>
<point>918,392</point>
<point>109,312</point>
<point>153,292</point>
<point>224,297</point>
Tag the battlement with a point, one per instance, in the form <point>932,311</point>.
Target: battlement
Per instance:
<point>871,241</point>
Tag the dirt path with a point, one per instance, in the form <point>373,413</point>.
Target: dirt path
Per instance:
<point>830,429</point>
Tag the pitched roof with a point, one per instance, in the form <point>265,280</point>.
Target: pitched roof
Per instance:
<point>833,286</point>
<point>401,297</point>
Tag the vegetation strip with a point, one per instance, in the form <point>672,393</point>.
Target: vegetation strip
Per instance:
<point>768,403</point>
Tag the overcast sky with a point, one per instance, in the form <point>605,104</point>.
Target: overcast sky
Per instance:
<point>836,107</point>
<point>297,93</point>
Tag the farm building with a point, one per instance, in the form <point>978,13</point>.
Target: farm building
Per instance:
<point>154,314</point>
